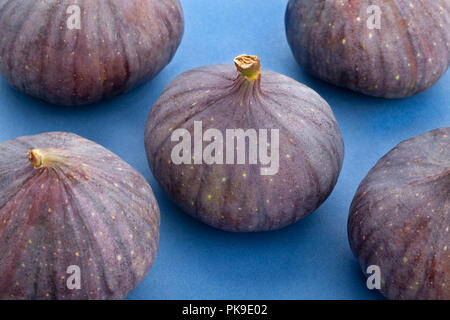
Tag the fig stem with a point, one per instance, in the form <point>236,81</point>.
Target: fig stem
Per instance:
<point>41,157</point>
<point>249,66</point>
<point>35,158</point>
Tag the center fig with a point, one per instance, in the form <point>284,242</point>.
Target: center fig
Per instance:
<point>245,150</point>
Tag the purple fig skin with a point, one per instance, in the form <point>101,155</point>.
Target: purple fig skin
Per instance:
<point>82,205</point>
<point>121,44</point>
<point>237,197</point>
<point>408,53</point>
<point>399,218</point>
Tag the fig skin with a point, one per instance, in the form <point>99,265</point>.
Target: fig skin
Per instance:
<point>237,197</point>
<point>399,218</point>
<point>121,44</point>
<point>72,202</point>
<point>408,54</point>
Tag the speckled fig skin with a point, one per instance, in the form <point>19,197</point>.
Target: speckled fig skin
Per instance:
<point>79,205</point>
<point>407,55</point>
<point>121,44</point>
<point>236,197</point>
<point>399,218</point>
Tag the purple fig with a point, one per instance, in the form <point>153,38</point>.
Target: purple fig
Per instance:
<point>388,49</point>
<point>251,150</point>
<point>76,221</point>
<point>71,53</point>
<point>399,218</point>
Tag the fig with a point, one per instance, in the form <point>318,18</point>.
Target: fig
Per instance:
<point>399,218</point>
<point>245,150</point>
<point>75,53</point>
<point>389,49</point>
<point>76,221</point>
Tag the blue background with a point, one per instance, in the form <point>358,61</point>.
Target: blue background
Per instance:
<point>309,260</point>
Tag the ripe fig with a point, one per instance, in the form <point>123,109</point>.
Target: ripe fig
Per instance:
<point>76,221</point>
<point>399,218</point>
<point>73,53</point>
<point>270,154</point>
<point>390,49</point>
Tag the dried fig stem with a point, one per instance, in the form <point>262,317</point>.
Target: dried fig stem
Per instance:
<point>36,158</point>
<point>249,66</point>
<point>41,158</point>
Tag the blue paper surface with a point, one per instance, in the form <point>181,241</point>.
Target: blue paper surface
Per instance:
<point>309,260</point>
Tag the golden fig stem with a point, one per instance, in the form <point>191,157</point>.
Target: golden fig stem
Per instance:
<point>40,158</point>
<point>249,66</point>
